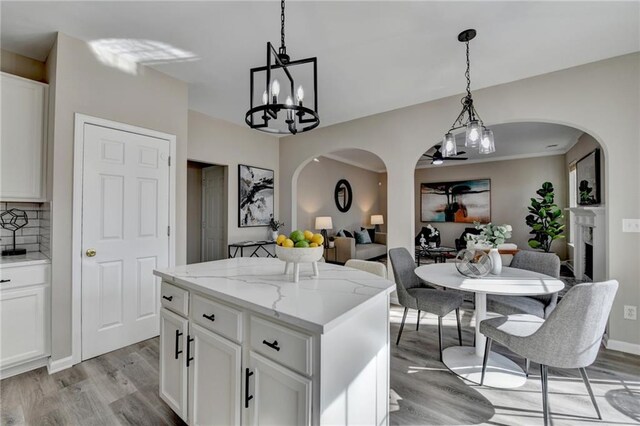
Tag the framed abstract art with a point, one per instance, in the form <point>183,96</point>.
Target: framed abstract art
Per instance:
<point>464,201</point>
<point>255,196</point>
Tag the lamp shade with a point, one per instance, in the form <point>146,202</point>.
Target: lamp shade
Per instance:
<point>377,219</point>
<point>324,222</point>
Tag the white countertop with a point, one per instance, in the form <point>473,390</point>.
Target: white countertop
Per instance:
<point>512,281</point>
<point>33,258</point>
<point>259,284</point>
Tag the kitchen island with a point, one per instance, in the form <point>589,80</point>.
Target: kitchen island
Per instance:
<point>242,344</point>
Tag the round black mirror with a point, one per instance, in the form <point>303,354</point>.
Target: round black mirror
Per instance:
<point>343,195</point>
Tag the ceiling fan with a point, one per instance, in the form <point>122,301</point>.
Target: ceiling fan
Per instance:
<point>437,157</point>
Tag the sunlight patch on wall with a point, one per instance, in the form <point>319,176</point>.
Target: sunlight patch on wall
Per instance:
<point>128,55</point>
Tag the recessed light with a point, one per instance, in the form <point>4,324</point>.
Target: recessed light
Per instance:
<point>316,160</point>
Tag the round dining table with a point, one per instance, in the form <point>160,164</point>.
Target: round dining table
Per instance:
<point>466,361</point>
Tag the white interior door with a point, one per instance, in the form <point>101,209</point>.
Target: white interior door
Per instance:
<point>125,219</point>
<point>214,213</point>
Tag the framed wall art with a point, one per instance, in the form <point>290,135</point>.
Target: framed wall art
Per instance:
<point>255,196</point>
<point>465,201</point>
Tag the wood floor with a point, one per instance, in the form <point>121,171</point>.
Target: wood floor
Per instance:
<point>121,388</point>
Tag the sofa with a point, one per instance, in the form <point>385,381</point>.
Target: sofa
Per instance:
<point>346,248</point>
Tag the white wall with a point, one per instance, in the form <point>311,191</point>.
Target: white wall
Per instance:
<point>216,141</point>
<point>194,212</point>
<point>82,84</point>
<point>513,184</point>
<point>316,186</point>
<point>600,98</point>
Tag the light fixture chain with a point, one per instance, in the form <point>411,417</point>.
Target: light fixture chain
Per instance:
<point>468,73</point>
<point>282,46</point>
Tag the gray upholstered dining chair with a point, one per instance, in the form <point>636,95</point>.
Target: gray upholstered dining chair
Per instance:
<point>540,306</point>
<point>413,294</point>
<point>569,338</point>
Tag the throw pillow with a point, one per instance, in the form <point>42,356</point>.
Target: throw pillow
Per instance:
<point>372,233</point>
<point>348,234</point>
<point>341,233</point>
<point>362,237</point>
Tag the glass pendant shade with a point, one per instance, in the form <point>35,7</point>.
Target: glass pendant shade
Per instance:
<point>487,145</point>
<point>449,148</point>
<point>474,132</point>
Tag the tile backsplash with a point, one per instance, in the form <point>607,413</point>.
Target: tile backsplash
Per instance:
<point>35,236</point>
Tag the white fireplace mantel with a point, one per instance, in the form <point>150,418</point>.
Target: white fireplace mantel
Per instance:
<point>590,228</point>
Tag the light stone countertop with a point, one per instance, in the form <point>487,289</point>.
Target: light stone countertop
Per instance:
<point>259,284</point>
<point>32,258</point>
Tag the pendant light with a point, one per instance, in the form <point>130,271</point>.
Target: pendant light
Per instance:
<point>476,135</point>
<point>267,111</point>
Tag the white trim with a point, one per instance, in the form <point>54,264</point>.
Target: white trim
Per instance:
<point>617,345</point>
<point>23,368</point>
<point>76,240</point>
<point>60,364</point>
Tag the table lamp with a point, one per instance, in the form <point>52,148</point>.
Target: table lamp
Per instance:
<point>377,220</point>
<point>323,223</point>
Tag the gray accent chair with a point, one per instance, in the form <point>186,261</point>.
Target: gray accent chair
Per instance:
<point>413,294</point>
<point>569,338</point>
<point>540,306</point>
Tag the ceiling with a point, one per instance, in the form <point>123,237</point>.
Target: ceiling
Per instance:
<point>372,56</point>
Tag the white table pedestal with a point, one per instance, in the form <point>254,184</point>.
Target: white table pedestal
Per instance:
<point>466,361</point>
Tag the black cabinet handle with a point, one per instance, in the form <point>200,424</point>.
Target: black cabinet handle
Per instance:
<point>5,281</point>
<point>178,334</point>
<point>169,298</point>
<point>189,357</point>
<point>247,397</point>
<point>211,317</point>
<point>273,345</point>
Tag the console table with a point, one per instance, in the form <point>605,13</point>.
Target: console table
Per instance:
<point>256,245</point>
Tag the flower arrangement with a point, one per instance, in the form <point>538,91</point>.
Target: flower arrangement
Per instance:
<point>432,231</point>
<point>275,225</point>
<point>490,235</point>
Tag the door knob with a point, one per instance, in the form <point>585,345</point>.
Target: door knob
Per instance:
<point>91,252</point>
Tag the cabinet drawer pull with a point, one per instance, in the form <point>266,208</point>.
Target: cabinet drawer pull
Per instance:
<point>211,317</point>
<point>169,298</point>
<point>5,281</point>
<point>178,334</point>
<point>273,345</point>
<point>189,357</point>
<point>247,397</point>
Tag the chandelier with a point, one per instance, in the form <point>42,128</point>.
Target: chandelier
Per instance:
<point>477,135</point>
<point>267,111</point>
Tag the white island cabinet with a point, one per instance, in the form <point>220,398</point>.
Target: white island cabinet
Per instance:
<point>242,344</point>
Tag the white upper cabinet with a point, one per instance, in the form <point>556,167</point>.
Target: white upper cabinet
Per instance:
<point>23,135</point>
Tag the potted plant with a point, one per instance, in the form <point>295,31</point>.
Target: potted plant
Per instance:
<point>544,219</point>
<point>332,241</point>
<point>275,225</point>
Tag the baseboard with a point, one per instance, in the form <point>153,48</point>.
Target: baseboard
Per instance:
<point>23,368</point>
<point>60,364</point>
<point>617,345</point>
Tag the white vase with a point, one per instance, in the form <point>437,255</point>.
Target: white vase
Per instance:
<point>496,261</point>
<point>274,235</point>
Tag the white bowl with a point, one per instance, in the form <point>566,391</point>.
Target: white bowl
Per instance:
<point>299,255</point>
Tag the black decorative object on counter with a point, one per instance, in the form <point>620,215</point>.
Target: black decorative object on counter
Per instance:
<point>13,220</point>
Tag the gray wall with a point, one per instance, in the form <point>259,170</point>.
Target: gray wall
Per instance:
<point>82,84</point>
<point>599,98</point>
<point>316,185</point>
<point>216,141</point>
<point>513,184</point>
